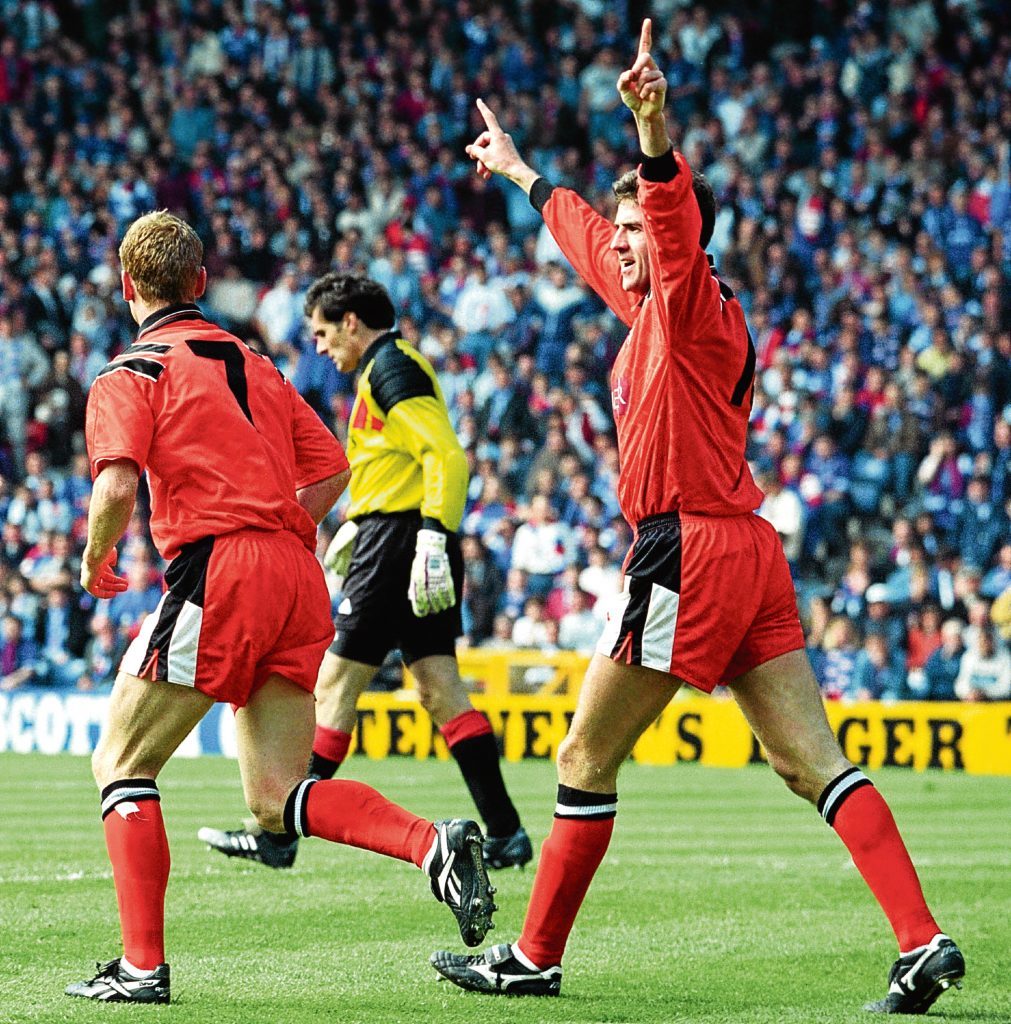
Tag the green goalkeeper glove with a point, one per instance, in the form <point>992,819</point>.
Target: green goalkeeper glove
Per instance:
<point>338,554</point>
<point>431,588</point>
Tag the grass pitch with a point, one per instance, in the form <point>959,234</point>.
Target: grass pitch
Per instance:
<point>722,899</point>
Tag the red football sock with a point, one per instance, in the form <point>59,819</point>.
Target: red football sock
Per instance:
<point>138,848</point>
<point>331,743</point>
<point>356,815</point>
<point>569,859</point>
<point>865,824</point>
<point>465,726</point>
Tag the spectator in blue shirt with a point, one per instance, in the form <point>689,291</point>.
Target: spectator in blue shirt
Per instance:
<point>942,667</point>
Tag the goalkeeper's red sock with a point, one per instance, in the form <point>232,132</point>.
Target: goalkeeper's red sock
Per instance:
<point>569,859</point>
<point>354,814</point>
<point>329,748</point>
<point>860,816</point>
<point>138,849</point>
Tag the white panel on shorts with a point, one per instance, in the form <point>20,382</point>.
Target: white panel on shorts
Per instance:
<point>615,614</point>
<point>133,660</point>
<point>658,632</point>
<point>182,652</point>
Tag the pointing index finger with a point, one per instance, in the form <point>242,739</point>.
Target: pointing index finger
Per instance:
<point>489,118</point>
<point>646,36</point>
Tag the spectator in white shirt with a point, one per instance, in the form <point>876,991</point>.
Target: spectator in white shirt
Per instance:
<point>782,507</point>
<point>481,310</point>
<point>279,315</point>
<point>579,629</point>
<point>542,546</point>
<point>985,672</point>
<point>530,629</point>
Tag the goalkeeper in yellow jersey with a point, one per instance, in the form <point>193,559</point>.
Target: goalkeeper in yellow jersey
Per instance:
<point>399,554</point>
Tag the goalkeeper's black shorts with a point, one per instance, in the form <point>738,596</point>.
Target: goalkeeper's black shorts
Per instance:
<point>374,615</point>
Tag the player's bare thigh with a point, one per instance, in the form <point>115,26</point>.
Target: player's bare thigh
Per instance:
<point>784,708</point>
<point>147,722</point>
<point>440,688</point>
<point>274,737</point>
<point>616,704</point>
<point>339,684</point>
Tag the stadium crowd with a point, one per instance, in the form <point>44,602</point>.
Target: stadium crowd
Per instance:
<point>864,179</point>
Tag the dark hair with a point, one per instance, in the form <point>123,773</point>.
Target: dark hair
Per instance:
<point>626,189</point>
<point>335,294</point>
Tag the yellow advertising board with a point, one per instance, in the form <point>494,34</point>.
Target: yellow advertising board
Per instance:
<point>975,738</point>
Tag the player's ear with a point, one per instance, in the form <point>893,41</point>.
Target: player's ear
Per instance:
<point>201,285</point>
<point>350,320</point>
<point>129,293</point>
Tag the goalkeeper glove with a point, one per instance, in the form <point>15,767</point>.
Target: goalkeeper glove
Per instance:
<point>338,555</point>
<point>431,588</point>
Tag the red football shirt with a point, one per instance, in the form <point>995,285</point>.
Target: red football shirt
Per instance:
<point>225,439</point>
<point>681,386</point>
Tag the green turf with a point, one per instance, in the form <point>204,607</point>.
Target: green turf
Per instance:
<point>722,899</point>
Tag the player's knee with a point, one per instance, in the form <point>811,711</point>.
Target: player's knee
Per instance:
<point>796,778</point>
<point>581,765</point>
<point>265,800</point>
<point>268,811</point>
<point>109,765</point>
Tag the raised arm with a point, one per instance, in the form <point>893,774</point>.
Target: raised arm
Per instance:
<point>581,233</point>
<point>680,276</point>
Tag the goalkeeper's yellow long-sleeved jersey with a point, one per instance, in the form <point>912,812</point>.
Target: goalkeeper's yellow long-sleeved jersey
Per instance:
<point>403,451</point>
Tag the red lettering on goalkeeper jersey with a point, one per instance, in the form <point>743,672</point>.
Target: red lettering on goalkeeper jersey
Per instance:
<point>226,441</point>
<point>681,386</point>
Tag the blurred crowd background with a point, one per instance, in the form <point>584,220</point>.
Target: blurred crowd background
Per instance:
<point>859,153</point>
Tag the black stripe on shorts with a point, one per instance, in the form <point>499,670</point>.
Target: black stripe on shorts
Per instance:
<point>186,579</point>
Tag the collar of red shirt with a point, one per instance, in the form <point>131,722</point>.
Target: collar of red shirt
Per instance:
<point>169,315</point>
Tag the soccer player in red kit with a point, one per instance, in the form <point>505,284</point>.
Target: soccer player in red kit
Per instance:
<point>707,596</point>
<point>241,471</point>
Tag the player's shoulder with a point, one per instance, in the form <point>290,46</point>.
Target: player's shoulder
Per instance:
<point>398,372</point>
<point>144,361</point>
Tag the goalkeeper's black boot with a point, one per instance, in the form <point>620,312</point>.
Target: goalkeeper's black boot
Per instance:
<point>508,851</point>
<point>115,984</point>
<point>918,978</point>
<point>274,849</point>
<point>456,869</point>
<point>498,971</point>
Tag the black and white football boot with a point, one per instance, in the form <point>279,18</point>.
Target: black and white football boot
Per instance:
<point>918,978</point>
<point>252,843</point>
<point>114,983</point>
<point>456,869</point>
<point>501,970</point>
<point>508,851</point>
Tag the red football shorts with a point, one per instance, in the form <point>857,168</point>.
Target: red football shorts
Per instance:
<point>705,598</point>
<point>237,608</point>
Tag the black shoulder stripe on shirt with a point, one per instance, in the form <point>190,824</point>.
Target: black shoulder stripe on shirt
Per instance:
<point>148,346</point>
<point>395,377</point>
<point>142,367</point>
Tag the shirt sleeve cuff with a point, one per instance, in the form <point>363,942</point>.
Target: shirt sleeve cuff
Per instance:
<point>540,192</point>
<point>431,523</point>
<point>656,168</point>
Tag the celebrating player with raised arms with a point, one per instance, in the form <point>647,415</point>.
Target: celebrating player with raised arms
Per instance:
<point>400,558</point>
<point>707,595</point>
<point>240,470</point>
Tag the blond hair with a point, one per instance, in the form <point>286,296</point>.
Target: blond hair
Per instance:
<point>163,255</point>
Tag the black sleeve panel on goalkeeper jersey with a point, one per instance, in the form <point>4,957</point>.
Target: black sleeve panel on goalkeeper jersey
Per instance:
<point>395,377</point>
